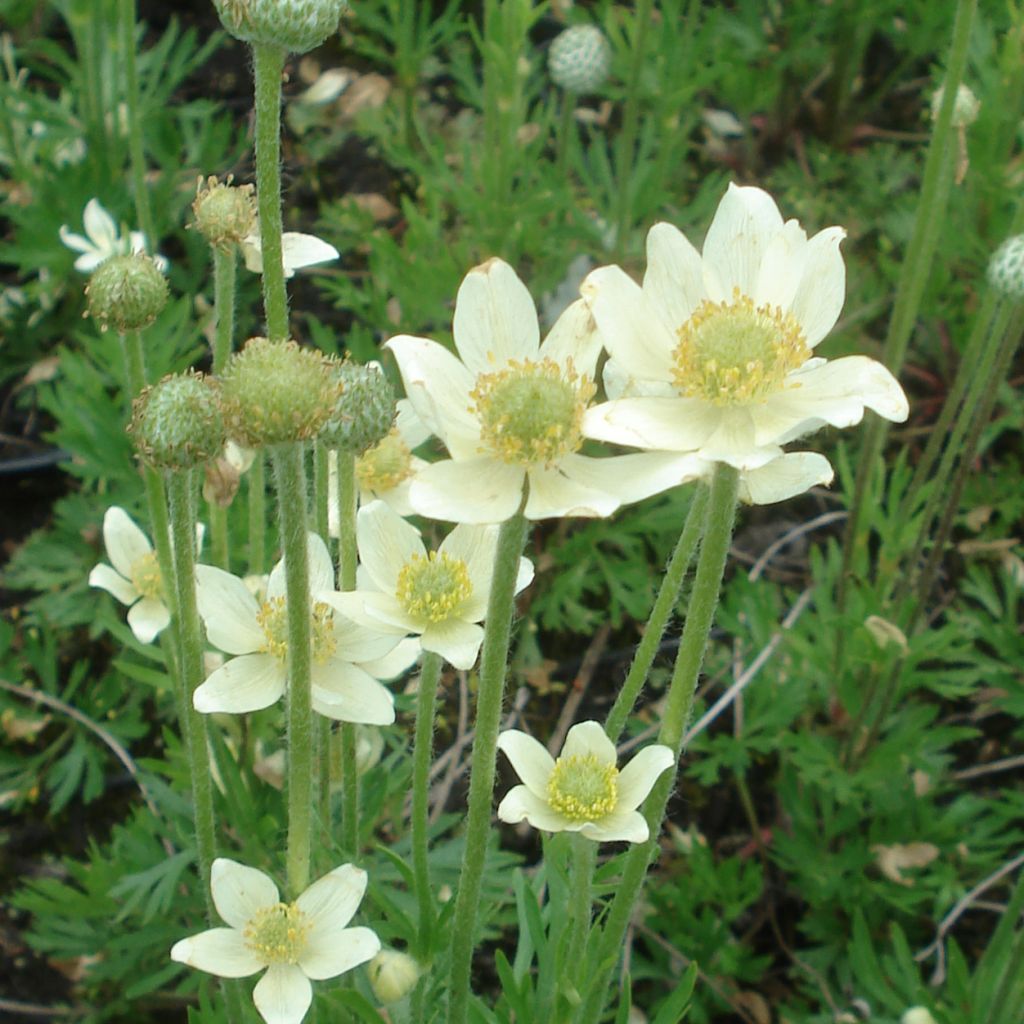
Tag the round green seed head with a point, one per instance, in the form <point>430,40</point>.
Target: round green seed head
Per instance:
<point>276,393</point>
<point>1006,268</point>
<point>295,25</point>
<point>225,213</point>
<point>177,423</point>
<point>365,411</point>
<point>579,59</point>
<point>126,293</point>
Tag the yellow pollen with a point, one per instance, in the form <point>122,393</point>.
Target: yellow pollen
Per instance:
<point>583,788</point>
<point>433,588</point>
<point>146,577</point>
<point>530,412</point>
<point>273,620</point>
<point>278,934</point>
<point>730,353</point>
<point>384,466</point>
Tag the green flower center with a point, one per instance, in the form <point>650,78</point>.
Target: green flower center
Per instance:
<point>273,620</point>
<point>730,353</point>
<point>530,412</point>
<point>145,576</point>
<point>278,934</point>
<point>384,466</point>
<point>583,788</point>
<point>434,587</point>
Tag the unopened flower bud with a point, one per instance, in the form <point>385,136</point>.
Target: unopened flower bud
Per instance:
<point>580,58</point>
<point>225,213</point>
<point>126,293</point>
<point>276,393</point>
<point>917,1015</point>
<point>393,975</point>
<point>365,410</point>
<point>295,25</point>
<point>177,423</point>
<point>1006,268</point>
<point>965,106</point>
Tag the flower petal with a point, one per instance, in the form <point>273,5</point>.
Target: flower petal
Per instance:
<point>283,995</point>
<point>346,693</point>
<point>520,803</point>
<point>239,892</point>
<point>665,424</point>
<point>301,250</point>
<point>100,227</point>
<point>781,268</point>
<point>530,759</point>
<point>475,545</point>
<point>574,340</point>
<point>228,610</point>
<point>638,777</point>
<point>456,641</point>
<point>634,477</point>
<point>357,642</point>
<point>821,292</point>
<point>555,492</point>
<point>148,618</point>
<point>338,950</point>
<point>220,951</point>
<point>124,541</point>
<point>475,490</point>
<point>248,683</point>
<point>114,583</point>
<point>495,319</point>
<point>784,478</point>
<point>75,241</point>
<point>674,280</point>
<point>387,543</point>
<point>321,565</point>
<point>412,430</point>
<point>333,899</point>
<point>589,738</point>
<point>394,664</point>
<point>629,827</point>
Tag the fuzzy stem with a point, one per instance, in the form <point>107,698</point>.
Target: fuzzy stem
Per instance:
<point>224,277</point>
<point>290,473</point>
<point>493,662</point>
<point>268,64</point>
<point>584,859</point>
<point>257,516</point>
<point>426,698</point>
<point>668,595</point>
<point>607,944</point>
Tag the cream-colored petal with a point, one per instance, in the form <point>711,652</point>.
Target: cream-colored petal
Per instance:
<point>355,642</point>
<point>627,827</point>
<point>301,250</point>
<point>332,900</point>
<point>477,490</point>
<point>220,951</point>
<point>124,541</point>
<point>495,318</point>
<point>387,543</point>
<point>743,226</point>
<point>321,565</point>
<point>530,759</point>
<point>100,227</point>
<point>88,262</point>
<point>228,610</point>
<point>663,424</point>
<point>438,386</point>
<point>476,546</point>
<point>76,242</point>
<point>782,266</point>
<point>283,995</point>
<point>589,738</point>
<point>412,430</point>
<point>620,383</point>
<point>822,289</point>
<point>396,663</point>
<point>148,618</point>
<point>630,326</point>
<point>574,340</point>
<point>639,776</point>
<point>674,280</point>
<point>337,950</point>
<point>555,492</point>
<point>634,477</point>
<point>735,441</point>
<point>346,693</point>
<point>383,613</point>
<point>248,683</point>
<point>520,803</point>
<point>114,583</point>
<point>456,641</point>
<point>785,477</point>
<point>239,892</point>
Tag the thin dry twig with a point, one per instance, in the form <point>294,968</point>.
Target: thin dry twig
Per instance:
<point>588,666</point>
<point>33,1010</point>
<point>1007,764</point>
<point>825,519</point>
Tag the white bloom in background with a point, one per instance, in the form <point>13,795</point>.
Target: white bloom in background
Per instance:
<point>583,790</point>
<point>346,656</point>
<point>297,251</point>
<point>329,85</point>
<point>966,106</point>
<point>509,410</point>
<point>714,353</point>
<point>386,470</point>
<point>441,596</point>
<point>102,240</point>
<point>135,578</point>
<point>306,940</point>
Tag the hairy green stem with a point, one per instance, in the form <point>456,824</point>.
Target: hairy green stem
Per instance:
<point>257,516</point>
<point>493,667</point>
<point>290,474</point>
<point>584,860</point>
<point>268,64</point>
<point>607,943</point>
<point>225,273</point>
<point>422,755</point>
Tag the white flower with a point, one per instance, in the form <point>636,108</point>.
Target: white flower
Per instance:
<point>347,658</point>
<point>297,942</point>
<point>583,791</point>
<point>509,411</point>
<point>440,596</point>
<point>103,240</point>
<point>135,578</point>
<point>784,477</point>
<point>297,251</point>
<point>714,353</point>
